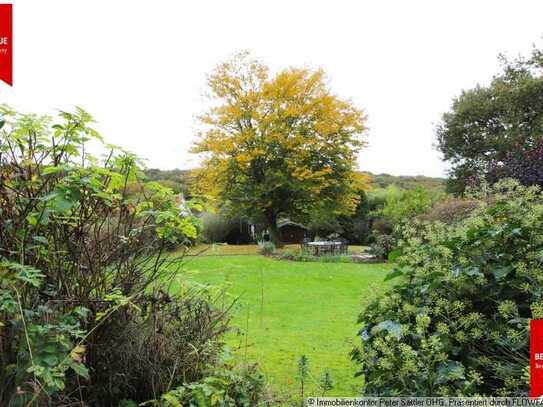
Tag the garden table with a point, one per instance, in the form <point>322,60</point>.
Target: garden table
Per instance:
<point>324,248</point>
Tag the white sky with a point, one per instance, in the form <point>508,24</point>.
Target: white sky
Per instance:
<point>139,67</point>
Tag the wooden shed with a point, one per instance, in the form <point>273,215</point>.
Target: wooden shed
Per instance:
<point>291,232</point>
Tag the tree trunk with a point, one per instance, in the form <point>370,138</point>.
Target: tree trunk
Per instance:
<point>272,229</point>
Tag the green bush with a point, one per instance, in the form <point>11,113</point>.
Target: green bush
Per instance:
<point>402,206</point>
<point>323,223</point>
<point>382,246</point>
<point>168,340</point>
<point>215,227</point>
<point>449,210</point>
<point>42,344</point>
<point>456,323</point>
<point>221,227</point>
<point>296,255</point>
<point>382,226</point>
<point>222,386</point>
<point>83,271</point>
<point>266,248</point>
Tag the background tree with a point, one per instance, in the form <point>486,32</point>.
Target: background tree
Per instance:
<point>488,123</point>
<point>432,184</point>
<point>526,166</point>
<point>279,145</point>
<point>177,180</point>
<point>406,204</point>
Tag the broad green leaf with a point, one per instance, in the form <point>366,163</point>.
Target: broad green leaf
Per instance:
<point>62,205</point>
<point>393,274</point>
<point>80,369</point>
<point>40,239</point>
<point>501,272</point>
<point>171,400</point>
<point>450,370</point>
<point>24,273</point>
<point>393,328</point>
<point>50,359</point>
<point>474,271</point>
<point>51,170</point>
<point>393,255</point>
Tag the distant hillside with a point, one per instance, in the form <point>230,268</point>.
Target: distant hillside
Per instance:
<point>178,180</point>
<point>406,181</point>
<point>175,179</point>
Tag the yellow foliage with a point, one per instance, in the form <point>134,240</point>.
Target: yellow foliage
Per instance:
<point>270,140</point>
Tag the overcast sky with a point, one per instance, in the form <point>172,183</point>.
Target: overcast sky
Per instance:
<point>139,67</point>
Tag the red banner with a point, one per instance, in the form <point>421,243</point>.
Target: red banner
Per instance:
<point>6,43</point>
<point>536,357</point>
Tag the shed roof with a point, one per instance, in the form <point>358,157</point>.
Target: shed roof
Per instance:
<point>287,222</point>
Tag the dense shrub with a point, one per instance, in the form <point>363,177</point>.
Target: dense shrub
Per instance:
<point>402,206</point>
<point>226,385</point>
<point>377,213</point>
<point>240,231</point>
<point>221,228</point>
<point>178,180</point>
<point>382,226</point>
<point>266,248</point>
<point>449,210</point>
<point>147,350</point>
<point>83,270</point>
<point>215,227</point>
<point>323,223</point>
<point>356,227</point>
<point>297,255</point>
<point>523,164</point>
<point>378,197</point>
<point>357,230</point>
<point>456,323</point>
<point>382,246</point>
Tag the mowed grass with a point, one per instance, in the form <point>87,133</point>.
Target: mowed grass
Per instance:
<point>288,309</point>
<point>248,249</point>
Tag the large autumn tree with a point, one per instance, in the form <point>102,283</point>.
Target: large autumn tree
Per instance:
<point>490,128</point>
<point>279,145</point>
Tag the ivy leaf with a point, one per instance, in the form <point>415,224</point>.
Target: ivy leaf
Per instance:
<point>50,359</point>
<point>364,336</point>
<point>393,255</point>
<point>32,220</point>
<point>450,370</point>
<point>501,272</point>
<point>81,370</point>
<point>393,274</point>
<point>456,271</point>
<point>393,328</point>
<point>474,271</point>
<point>40,239</point>
<point>516,232</point>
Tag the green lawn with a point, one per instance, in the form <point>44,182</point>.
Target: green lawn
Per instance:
<point>223,249</point>
<point>288,309</point>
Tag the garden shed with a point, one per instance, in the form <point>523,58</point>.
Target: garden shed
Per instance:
<point>291,232</point>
